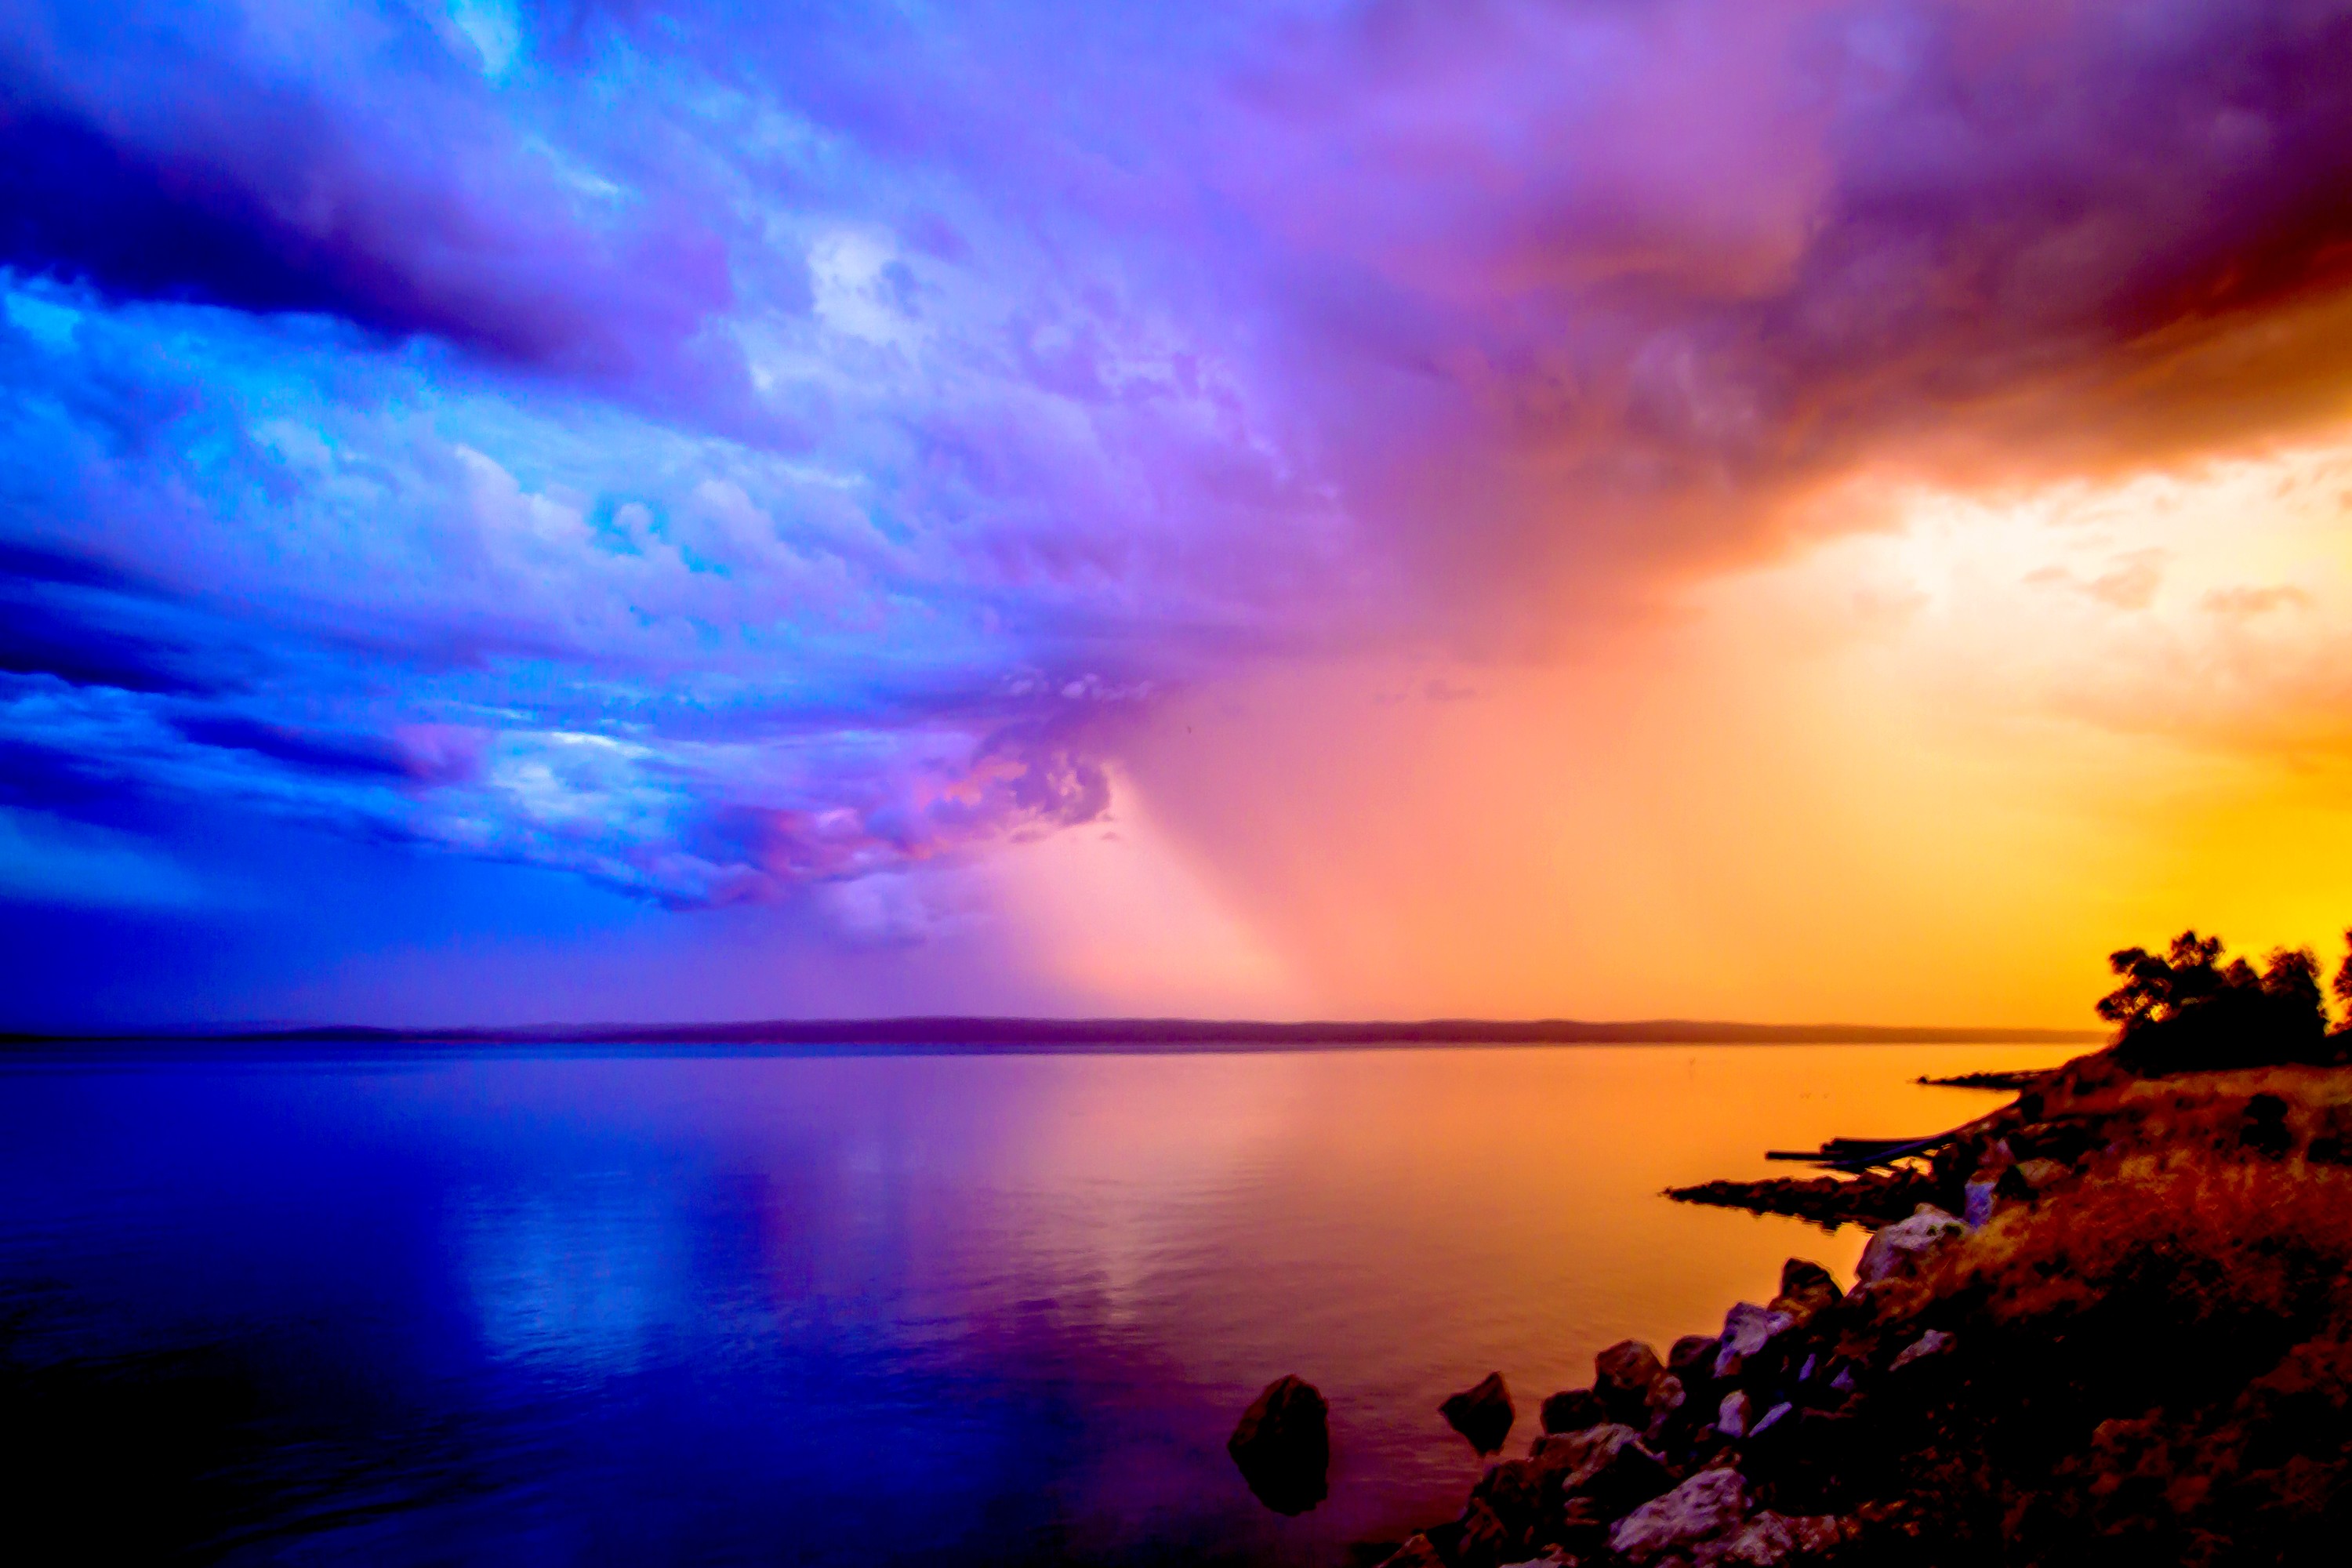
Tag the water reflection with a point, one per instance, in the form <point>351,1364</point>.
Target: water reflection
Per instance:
<point>578,1280</point>
<point>867,1309</point>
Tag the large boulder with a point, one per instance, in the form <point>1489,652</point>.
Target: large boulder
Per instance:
<point>1708,1506</point>
<point>1609,1466</point>
<point>1748,1331</point>
<point>1896,1250</point>
<point>1623,1375</point>
<point>1283,1446</point>
<point>1481,1414</point>
<point>1572,1410</point>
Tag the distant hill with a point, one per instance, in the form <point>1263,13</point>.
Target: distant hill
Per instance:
<point>1080,1033</point>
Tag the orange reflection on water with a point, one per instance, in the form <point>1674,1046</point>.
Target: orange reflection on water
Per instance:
<point>1393,1224</point>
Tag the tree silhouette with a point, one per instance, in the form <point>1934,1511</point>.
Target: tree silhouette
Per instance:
<point>2188,1011</point>
<point>2343,984</point>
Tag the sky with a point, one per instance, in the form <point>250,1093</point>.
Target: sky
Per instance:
<point>616,510</point>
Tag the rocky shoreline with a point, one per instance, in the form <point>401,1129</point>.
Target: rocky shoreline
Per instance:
<point>2109,1323</point>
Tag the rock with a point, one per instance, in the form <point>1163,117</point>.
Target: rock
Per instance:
<point>2040,1175</point>
<point>1801,1278</point>
<point>1748,1330</point>
<point>1897,1250</point>
<point>1770,1541</point>
<point>1481,1540</point>
<point>1817,1534</point>
<point>1799,1453</point>
<point>1514,1491</point>
<point>1805,1288</point>
<point>1482,1414</point>
<point>1770,1418</point>
<point>1764,1541</point>
<point>1582,1529</point>
<point>1664,1406</point>
<point>1826,1385</point>
<point>1693,1358</point>
<point>1623,1375</point>
<point>1610,1465</point>
<point>1735,1411</point>
<point>1710,1504</point>
<point>1628,1363</point>
<point>1934,1342</point>
<point>1979,1198</point>
<point>1283,1446</point>
<point>1417,1552</point>
<point>1572,1410</point>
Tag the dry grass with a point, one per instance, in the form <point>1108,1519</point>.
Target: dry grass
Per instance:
<point>2160,1348</point>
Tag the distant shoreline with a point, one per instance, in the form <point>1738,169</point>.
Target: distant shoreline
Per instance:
<point>1034,1034</point>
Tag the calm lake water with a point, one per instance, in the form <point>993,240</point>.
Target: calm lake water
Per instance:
<point>827,1307</point>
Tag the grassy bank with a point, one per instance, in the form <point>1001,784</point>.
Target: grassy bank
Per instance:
<point>2139,1353</point>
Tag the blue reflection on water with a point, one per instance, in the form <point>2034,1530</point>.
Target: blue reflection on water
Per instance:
<point>585,1310</point>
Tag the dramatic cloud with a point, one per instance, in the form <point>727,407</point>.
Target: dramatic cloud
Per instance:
<point>726,451</point>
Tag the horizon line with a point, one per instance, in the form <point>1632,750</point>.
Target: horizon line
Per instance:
<point>982,1030</point>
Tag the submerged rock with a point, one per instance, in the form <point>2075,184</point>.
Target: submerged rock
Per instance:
<point>1483,1414</point>
<point>1897,1250</point>
<point>1282,1445</point>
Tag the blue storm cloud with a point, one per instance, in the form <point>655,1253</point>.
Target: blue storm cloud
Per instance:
<point>555,458</point>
